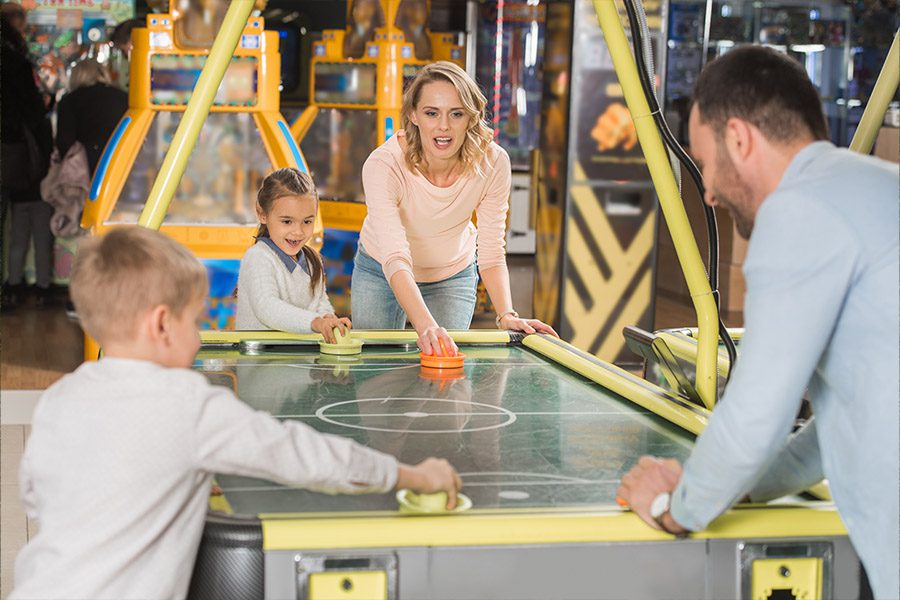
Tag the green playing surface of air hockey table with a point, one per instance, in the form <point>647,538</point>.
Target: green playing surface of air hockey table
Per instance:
<point>540,446</point>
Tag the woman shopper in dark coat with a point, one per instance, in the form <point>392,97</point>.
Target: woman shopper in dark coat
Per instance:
<point>90,112</point>
<point>27,142</point>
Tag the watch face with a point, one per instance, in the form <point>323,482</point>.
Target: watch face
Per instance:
<point>660,505</point>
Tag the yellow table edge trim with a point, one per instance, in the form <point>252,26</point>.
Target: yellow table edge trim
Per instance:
<point>472,336</point>
<point>220,503</point>
<point>639,391</point>
<point>475,529</point>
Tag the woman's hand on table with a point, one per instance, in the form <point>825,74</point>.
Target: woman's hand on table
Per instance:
<point>435,341</point>
<point>514,323</point>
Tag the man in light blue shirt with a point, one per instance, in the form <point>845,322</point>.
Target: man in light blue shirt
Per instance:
<point>821,313</point>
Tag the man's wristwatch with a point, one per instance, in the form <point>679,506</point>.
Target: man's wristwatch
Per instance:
<point>504,314</point>
<point>659,508</point>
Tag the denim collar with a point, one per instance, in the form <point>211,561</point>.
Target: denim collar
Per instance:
<point>286,259</point>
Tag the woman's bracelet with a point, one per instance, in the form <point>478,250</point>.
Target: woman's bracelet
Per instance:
<point>504,314</point>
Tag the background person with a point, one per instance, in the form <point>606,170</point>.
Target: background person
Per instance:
<point>120,55</point>
<point>90,112</point>
<point>27,141</point>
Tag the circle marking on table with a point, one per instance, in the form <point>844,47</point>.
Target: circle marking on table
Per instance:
<point>492,411</point>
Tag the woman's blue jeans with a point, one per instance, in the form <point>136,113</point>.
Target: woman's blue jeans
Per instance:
<point>374,306</point>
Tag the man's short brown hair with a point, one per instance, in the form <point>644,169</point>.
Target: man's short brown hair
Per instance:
<point>119,276</point>
<point>763,87</point>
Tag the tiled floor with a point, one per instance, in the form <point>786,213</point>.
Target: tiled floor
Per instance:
<point>39,346</point>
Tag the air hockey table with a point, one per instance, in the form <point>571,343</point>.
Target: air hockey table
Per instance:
<point>540,446</point>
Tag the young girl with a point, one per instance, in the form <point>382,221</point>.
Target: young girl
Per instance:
<point>281,284</point>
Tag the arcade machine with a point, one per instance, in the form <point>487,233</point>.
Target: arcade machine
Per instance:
<point>596,206</point>
<point>243,138</point>
<point>357,78</point>
<point>509,66</point>
<point>819,37</point>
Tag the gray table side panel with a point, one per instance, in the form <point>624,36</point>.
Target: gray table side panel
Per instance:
<point>679,569</point>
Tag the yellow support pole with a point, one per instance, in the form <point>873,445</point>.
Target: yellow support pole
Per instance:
<point>885,86</point>
<point>301,126</point>
<point>195,114</point>
<point>669,199</point>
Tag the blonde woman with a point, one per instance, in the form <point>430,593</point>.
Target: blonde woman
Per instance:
<point>90,112</point>
<point>417,253</point>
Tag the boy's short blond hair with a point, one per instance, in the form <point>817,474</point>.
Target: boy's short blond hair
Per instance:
<point>118,277</point>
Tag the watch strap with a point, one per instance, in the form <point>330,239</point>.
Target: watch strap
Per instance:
<point>661,521</point>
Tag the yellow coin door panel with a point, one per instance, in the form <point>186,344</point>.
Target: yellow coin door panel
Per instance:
<point>348,585</point>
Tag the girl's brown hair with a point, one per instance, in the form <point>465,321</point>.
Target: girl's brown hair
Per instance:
<point>478,136</point>
<point>291,182</point>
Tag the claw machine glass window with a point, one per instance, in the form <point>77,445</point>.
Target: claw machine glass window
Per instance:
<point>509,66</point>
<point>817,35</point>
<point>221,178</point>
<point>336,146</point>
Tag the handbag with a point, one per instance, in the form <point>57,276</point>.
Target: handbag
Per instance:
<point>21,163</point>
<point>65,188</point>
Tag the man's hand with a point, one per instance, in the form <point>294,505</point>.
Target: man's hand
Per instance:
<point>645,481</point>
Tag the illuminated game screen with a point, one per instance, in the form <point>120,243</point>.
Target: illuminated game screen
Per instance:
<point>336,146</point>
<point>345,83</point>
<point>173,77</point>
<point>409,73</point>
<point>220,181</point>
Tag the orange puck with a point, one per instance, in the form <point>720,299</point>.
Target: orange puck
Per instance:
<point>441,375</point>
<point>442,362</point>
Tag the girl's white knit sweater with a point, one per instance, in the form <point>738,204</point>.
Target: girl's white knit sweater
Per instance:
<point>272,297</point>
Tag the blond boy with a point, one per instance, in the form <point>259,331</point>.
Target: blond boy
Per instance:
<point>118,466</point>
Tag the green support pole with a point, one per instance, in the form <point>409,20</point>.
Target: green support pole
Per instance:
<point>669,199</point>
<point>883,92</point>
<point>195,114</point>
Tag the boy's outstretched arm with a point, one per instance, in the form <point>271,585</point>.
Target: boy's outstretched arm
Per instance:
<point>230,437</point>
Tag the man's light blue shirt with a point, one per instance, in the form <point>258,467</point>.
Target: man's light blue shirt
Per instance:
<point>821,312</point>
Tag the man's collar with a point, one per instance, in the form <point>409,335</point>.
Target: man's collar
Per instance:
<point>803,158</point>
<point>286,259</point>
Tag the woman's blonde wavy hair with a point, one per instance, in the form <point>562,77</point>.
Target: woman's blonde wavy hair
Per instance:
<point>478,135</point>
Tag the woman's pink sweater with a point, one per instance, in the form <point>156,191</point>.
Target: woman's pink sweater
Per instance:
<point>413,225</point>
